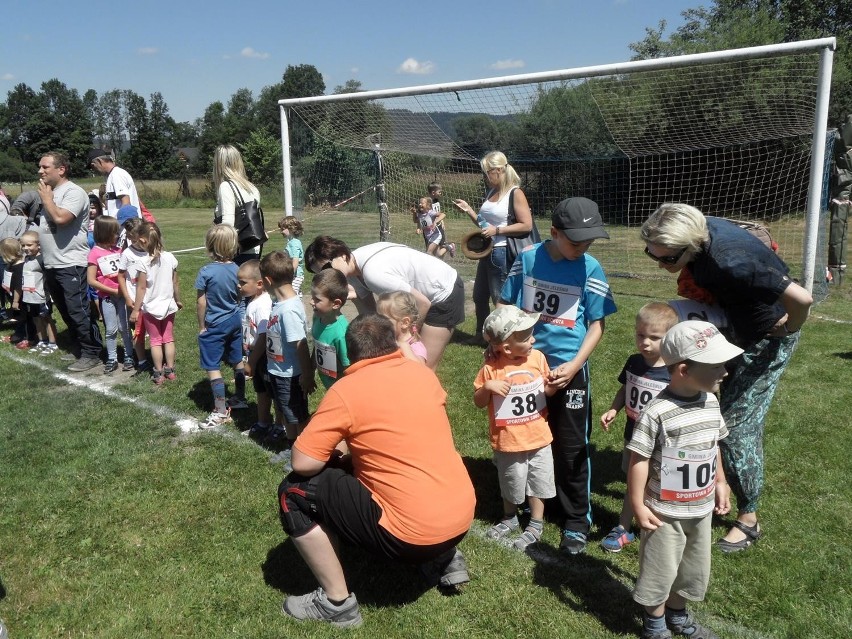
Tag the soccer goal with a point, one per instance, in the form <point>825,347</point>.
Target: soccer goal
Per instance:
<point>740,134</point>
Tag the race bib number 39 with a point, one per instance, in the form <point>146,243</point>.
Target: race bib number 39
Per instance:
<point>523,404</point>
<point>687,475</point>
<point>557,303</point>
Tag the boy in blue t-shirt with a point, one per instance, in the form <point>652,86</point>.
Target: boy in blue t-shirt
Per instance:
<point>557,279</point>
<point>329,291</point>
<point>291,373</point>
<point>644,375</point>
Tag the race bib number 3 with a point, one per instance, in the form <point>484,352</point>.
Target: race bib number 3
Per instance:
<point>523,404</point>
<point>687,475</point>
<point>557,303</point>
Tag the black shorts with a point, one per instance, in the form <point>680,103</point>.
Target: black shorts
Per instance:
<point>44,310</point>
<point>450,312</point>
<point>338,501</point>
<point>260,376</point>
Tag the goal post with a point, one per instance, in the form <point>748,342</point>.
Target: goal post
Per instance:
<point>739,134</point>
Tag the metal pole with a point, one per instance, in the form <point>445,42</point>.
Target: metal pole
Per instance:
<point>826,60</point>
<point>285,157</point>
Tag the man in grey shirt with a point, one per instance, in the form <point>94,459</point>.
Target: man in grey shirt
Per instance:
<point>62,233</point>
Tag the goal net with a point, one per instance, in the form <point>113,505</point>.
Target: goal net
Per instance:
<point>734,135</point>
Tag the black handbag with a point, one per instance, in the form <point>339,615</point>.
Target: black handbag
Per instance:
<point>515,245</point>
<point>248,221</point>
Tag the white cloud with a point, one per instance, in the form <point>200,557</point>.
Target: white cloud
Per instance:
<point>500,65</point>
<point>354,70</point>
<point>248,52</point>
<point>7,76</point>
<point>147,50</point>
<point>419,68</point>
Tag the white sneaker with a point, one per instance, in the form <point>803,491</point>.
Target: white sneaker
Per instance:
<point>215,419</point>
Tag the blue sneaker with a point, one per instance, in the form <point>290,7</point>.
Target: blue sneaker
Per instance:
<point>617,539</point>
<point>573,542</point>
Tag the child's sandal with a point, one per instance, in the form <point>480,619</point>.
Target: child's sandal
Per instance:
<point>500,530</point>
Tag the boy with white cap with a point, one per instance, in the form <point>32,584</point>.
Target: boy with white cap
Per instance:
<point>676,481</point>
<point>513,383</point>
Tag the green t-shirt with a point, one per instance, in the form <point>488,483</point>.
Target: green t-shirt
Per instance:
<point>330,356</point>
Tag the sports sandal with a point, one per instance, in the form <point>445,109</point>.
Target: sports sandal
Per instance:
<point>691,628</point>
<point>752,534</point>
<point>500,529</point>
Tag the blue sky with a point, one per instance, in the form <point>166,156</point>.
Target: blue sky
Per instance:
<point>197,52</point>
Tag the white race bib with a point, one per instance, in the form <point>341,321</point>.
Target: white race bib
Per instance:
<point>326,356</point>
<point>523,404</point>
<point>108,264</point>
<point>692,310</point>
<point>557,303</point>
<point>687,475</point>
<point>638,391</point>
<point>7,280</point>
<point>29,285</point>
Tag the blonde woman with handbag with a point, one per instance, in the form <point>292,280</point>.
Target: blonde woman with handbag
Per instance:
<point>229,177</point>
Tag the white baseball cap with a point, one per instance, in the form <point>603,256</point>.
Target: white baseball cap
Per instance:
<point>698,342</point>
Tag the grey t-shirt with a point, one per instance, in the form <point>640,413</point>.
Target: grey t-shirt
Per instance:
<point>66,245</point>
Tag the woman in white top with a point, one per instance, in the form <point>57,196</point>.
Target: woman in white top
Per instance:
<point>228,171</point>
<point>491,271</point>
<point>385,267</point>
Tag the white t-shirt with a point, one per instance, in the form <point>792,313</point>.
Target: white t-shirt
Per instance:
<point>387,267</point>
<point>129,263</point>
<point>119,183</point>
<point>160,292</point>
<point>257,316</point>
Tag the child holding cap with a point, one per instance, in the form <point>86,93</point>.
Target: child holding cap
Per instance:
<point>513,383</point>
<point>676,481</point>
<point>558,279</point>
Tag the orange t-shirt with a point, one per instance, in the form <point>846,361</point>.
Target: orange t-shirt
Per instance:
<point>391,412</point>
<point>517,422</point>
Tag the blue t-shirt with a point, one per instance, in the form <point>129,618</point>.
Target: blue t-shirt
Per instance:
<point>642,383</point>
<point>287,326</point>
<point>218,281</point>
<point>294,249</point>
<point>568,293</point>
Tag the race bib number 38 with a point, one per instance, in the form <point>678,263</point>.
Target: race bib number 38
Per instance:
<point>523,404</point>
<point>557,303</point>
<point>687,475</point>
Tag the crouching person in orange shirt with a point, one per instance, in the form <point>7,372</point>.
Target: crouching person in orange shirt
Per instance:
<point>408,495</point>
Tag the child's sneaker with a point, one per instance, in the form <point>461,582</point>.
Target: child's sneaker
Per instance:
<point>573,542</point>
<point>157,377</point>
<point>49,349</point>
<point>283,457</point>
<point>235,401</point>
<point>215,419</point>
<point>110,367</point>
<point>451,247</point>
<point>315,605</point>
<point>687,626</point>
<point>38,347</point>
<point>169,374</point>
<point>128,366</point>
<point>617,539</point>
<point>258,431</point>
<point>276,438</point>
<point>144,369</point>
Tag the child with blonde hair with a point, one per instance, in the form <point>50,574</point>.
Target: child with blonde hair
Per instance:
<point>36,303</point>
<point>220,334</point>
<point>157,300</point>
<point>128,272</point>
<point>102,276</point>
<point>291,229</point>
<point>400,308</point>
<point>13,256</point>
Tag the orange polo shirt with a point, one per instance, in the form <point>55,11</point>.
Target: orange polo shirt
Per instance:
<point>392,413</point>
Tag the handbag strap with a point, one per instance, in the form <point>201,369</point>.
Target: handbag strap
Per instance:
<point>237,194</point>
<point>510,218</point>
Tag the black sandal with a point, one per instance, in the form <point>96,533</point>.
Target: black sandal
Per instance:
<point>752,534</point>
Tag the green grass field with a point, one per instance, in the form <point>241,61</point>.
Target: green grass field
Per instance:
<point>116,524</point>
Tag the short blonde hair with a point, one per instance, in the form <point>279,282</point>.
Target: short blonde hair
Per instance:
<point>251,269</point>
<point>657,314</point>
<point>676,226</point>
<point>11,251</point>
<point>221,242</point>
<point>400,304</point>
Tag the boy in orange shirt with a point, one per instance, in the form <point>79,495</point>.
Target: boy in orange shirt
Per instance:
<point>513,383</point>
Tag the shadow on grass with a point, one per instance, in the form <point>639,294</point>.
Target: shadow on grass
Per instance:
<point>589,586</point>
<point>376,580</point>
<point>483,475</point>
<point>845,355</point>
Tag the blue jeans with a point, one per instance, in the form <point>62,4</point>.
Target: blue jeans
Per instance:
<point>114,311</point>
<point>490,275</point>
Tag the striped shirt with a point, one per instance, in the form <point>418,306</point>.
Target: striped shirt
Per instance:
<point>689,424</point>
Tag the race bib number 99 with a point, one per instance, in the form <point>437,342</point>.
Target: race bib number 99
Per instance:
<point>638,391</point>
<point>687,475</point>
<point>557,303</point>
<point>523,404</point>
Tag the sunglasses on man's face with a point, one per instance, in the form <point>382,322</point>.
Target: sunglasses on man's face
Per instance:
<point>666,259</point>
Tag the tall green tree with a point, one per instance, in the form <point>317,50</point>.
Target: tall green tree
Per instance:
<point>239,119</point>
<point>212,133</point>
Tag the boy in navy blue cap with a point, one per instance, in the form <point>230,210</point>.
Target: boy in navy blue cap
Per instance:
<point>557,279</point>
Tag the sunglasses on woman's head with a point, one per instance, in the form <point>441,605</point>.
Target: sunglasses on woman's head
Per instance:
<point>666,259</point>
<point>325,266</point>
